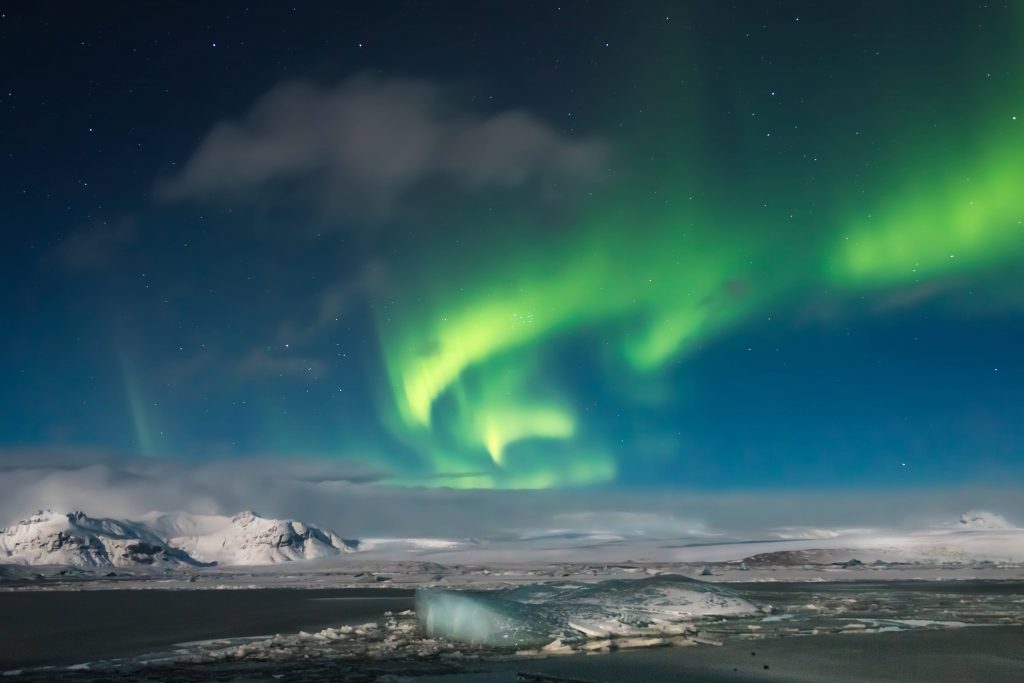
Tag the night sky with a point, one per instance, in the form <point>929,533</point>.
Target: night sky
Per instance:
<point>707,245</point>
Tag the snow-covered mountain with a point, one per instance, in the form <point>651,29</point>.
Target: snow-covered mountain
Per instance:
<point>76,539</point>
<point>180,539</point>
<point>982,519</point>
<point>175,539</point>
<point>247,538</point>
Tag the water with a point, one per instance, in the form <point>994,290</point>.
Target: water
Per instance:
<point>67,627</point>
<point>854,631</point>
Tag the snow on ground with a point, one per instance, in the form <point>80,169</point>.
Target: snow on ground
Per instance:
<point>410,545</point>
<point>977,536</point>
<point>568,590</point>
<point>606,616</point>
<point>798,547</point>
<point>239,544</point>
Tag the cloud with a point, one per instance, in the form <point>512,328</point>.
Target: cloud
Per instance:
<point>260,362</point>
<point>129,487</point>
<point>93,248</point>
<point>631,523</point>
<point>353,497</point>
<point>53,458</point>
<point>361,147</point>
<point>334,301</point>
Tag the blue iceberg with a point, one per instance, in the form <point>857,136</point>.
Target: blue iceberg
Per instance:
<point>536,615</point>
<point>482,618</point>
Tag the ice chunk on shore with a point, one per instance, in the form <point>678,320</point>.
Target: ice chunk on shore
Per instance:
<point>538,614</point>
<point>482,618</point>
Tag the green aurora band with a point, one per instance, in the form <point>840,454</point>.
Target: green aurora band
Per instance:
<point>955,219</point>
<point>644,281</point>
<point>464,359</point>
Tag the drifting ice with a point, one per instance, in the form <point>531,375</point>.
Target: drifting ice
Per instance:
<point>481,618</point>
<point>533,616</point>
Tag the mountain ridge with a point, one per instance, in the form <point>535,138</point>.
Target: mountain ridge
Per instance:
<point>172,540</point>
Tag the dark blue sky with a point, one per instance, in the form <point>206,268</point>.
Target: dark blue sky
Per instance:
<point>522,244</point>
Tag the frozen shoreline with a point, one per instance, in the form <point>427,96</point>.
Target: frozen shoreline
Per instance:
<point>367,573</point>
<point>789,616</point>
<point>981,655</point>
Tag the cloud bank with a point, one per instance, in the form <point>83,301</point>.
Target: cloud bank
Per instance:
<point>354,499</point>
<point>93,248</point>
<point>362,146</point>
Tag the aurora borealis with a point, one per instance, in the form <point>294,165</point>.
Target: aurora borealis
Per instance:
<point>597,245</point>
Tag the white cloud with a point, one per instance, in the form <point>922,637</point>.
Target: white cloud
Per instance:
<point>352,497</point>
<point>360,147</point>
<point>93,248</point>
<point>260,362</point>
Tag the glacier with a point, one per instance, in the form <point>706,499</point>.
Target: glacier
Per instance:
<point>542,614</point>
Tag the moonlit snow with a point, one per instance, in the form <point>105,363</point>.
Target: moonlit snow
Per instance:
<point>77,540</point>
<point>181,540</point>
<point>174,540</point>
<point>247,538</point>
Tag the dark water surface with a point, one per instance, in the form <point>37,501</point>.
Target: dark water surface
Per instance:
<point>969,655</point>
<point>67,627</point>
<point>973,632</point>
<point>957,587</point>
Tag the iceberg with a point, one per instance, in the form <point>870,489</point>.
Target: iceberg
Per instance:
<point>536,615</point>
<point>481,618</point>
